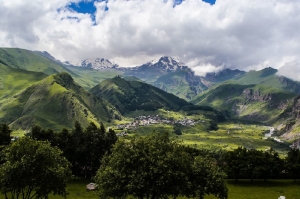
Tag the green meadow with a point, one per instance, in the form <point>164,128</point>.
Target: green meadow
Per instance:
<point>229,136</point>
<point>244,189</point>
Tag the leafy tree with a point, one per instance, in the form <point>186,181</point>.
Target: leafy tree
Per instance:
<point>270,164</point>
<point>292,163</point>
<point>153,167</point>
<point>212,126</point>
<point>236,163</point>
<point>177,130</point>
<point>4,134</point>
<point>84,148</point>
<point>206,178</point>
<point>40,134</point>
<point>252,163</point>
<point>33,169</point>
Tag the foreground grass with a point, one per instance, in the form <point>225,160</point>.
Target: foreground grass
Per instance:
<point>243,189</point>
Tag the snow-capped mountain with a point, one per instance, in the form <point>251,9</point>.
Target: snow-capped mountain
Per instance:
<point>165,63</point>
<point>155,68</point>
<point>97,64</point>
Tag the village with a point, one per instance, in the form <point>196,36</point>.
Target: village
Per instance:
<point>154,119</point>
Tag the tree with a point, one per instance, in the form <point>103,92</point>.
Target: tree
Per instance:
<point>177,130</point>
<point>236,162</point>
<point>206,178</point>
<point>292,163</point>
<point>33,169</point>
<point>213,126</point>
<point>153,167</point>
<point>4,134</point>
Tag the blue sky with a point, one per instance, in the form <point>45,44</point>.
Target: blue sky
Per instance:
<point>88,6</point>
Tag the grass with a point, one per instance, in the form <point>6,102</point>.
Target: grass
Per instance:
<point>229,136</point>
<point>263,190</point>
<point>244,189</point>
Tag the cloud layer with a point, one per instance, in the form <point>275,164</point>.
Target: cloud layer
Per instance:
<point>248,34</point>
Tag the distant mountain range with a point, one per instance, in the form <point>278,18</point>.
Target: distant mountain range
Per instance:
<point>37,88</point>
<point>97,64</point>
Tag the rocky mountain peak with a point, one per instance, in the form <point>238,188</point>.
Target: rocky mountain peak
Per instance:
<point>97,64</point>
<point>166,63</point>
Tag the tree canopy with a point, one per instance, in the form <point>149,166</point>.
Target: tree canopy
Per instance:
<point>33,169</point>
<point>4,134</point>
<point>155,166</point>
<point>84,148</point>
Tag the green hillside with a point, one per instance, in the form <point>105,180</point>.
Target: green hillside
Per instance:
<point>55,102</point>
<point>268,77</point>
<point>43,62</point>
<point>13,81</point>
<point>224,75</point>
<point>251,102</point>
<point>135,95</point>
<point>30,61</point>
<point>182,83</point>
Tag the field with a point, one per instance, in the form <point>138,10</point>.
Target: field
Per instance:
<point>229,136</point>
<point>244,189</point>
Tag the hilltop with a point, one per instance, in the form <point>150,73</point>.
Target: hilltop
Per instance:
<point>55,102</point>
<point>136,95</point>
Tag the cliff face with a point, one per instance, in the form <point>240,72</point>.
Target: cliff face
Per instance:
<point>296,108</point>
<point>289,84</point>
<point>290,120</point>
<point>249,102</point>
<point>255,95</point>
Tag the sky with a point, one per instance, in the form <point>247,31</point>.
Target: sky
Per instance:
<point>206,36</point>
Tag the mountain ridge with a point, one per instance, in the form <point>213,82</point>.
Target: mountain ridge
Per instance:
<point>57,100</point>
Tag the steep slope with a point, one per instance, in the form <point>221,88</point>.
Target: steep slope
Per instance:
<point>30,61</point>
<point>38,61</point>
<point>289,123</point>
<point>55,102</point>
<point>13,81</point>
<point>268,77</point>
<point>224,75</point>
<point>135,95</point>
<point>182,83</point>
<point>251,102</point>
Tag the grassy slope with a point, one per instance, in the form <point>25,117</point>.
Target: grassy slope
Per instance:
<point>268,77</point>
<point>34,61</point>
<point>132,95</point>
<point>55,102</point>
<point>30,61</point>
<point>262,103</point>
<point>183,84</point>
<point>12,80</point>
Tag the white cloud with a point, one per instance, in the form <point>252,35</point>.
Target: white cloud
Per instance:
<point>290,70</point>
<point>248,34</point>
